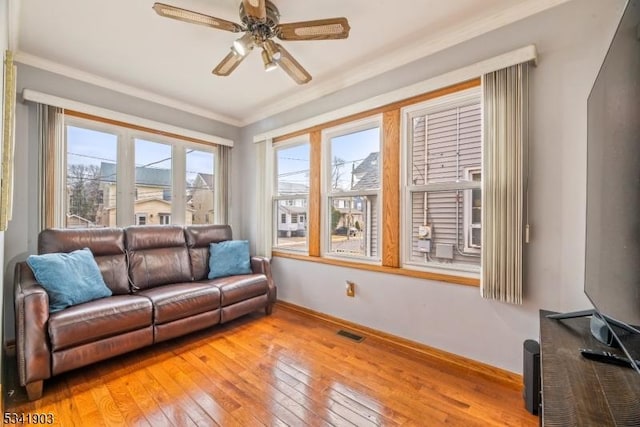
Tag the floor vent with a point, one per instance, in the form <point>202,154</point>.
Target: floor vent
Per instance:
<point>350,335</point>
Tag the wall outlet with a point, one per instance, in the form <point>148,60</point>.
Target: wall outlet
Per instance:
<point>351,289</point>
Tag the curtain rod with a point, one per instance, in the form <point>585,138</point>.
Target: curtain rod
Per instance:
<point>68,104</point>
<point>517,56</point>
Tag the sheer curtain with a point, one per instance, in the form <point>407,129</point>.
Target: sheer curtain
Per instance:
<point>504,181</point>
<point>51,159</point>
<point>221,185</point>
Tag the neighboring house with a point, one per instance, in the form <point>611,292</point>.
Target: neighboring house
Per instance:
<point>292,213</point>
<point>153,196</point>
<point>76,221</point>
<point>365,176</point>
<point>362,211</point>
<point>292,219</point>
<point>201,197</point>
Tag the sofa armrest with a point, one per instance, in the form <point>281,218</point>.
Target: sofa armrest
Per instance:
<point>262,265</point>
<point>32,315</point>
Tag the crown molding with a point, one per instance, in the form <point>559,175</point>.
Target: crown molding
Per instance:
<point>418,49</point>
<point>73,73</point>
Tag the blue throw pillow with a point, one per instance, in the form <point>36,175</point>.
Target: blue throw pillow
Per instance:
<point>69,278</point>
<point>229,258</point>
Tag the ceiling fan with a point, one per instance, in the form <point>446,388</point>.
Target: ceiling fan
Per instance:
<point>260,24</point>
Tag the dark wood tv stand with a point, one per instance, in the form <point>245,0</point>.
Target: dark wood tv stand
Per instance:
<point>581,392</point>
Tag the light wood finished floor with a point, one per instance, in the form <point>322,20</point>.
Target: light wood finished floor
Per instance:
<point>284,369</point>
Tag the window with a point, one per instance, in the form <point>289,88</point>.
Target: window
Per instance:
<point>395,189</point>
<point>153,179</point>
<point>291,195</point>
<point>105,187</point>
<point>200,185</point>
<point>353,184</point>
<point>141,218</point>
<point>443,183</point>
<point>92,159</point>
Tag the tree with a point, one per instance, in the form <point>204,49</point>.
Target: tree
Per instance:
<point>83,186</point>
<point>335,218</point>
<point>336,172</point>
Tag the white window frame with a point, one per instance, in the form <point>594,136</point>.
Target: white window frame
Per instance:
<point>142,215</point>
<point>125,167</point>
<point>290,199</point>
<point>327,193</point>
<point>407,114</point>
<point>164,216</point>
<point>468,223</point>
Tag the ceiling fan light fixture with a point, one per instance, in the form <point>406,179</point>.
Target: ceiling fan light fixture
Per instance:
<point>243,45</point>
<point>272,50</point>
<point>269,63</point>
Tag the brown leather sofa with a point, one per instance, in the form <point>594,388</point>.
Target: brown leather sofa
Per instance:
<point>158,277</point>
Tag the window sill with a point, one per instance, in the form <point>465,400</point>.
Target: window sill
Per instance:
<point>448,278</point>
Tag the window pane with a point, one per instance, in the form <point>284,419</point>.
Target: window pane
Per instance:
<point>292,227</point>
<point>355,161</point>
<point>292,170</point>
<point>445,144</point>
<point>438,231</point>
<point>91,178</point>
<point>354,226</point>
<point>200,186</point>
<point>153,180</point>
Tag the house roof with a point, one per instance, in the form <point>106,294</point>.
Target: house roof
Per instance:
<point>141,202</point>
<point>368,173</point>
<point>79,218</point>
<point>292,209</point>
<point>207,178</point>
<point>285,187</point>
<point>155,177</point>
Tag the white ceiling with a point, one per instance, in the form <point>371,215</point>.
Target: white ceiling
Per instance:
<point>124,45</point>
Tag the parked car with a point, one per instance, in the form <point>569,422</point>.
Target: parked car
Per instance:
<point>342,231</point>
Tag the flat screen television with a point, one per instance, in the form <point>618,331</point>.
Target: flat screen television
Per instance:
<point>612,252</point>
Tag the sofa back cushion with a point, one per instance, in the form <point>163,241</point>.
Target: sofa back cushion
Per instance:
<point>106,244</point>
<point>157,255</point>
<point>199,237</point>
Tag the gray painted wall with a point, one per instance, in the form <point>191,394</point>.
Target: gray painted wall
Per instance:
<point>21,236</point>
<point>572,40</point>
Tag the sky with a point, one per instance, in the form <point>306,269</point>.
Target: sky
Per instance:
<point>352,148</point>
<point>90,147</point>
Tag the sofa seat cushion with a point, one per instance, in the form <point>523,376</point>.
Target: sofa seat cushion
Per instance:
<point>180,300</point>
<point>98,319</point>
<point>234,289</point>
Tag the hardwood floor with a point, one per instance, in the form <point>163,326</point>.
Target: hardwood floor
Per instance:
<point>284,369</point>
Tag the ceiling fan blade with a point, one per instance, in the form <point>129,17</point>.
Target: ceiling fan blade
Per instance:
<point>228,64</point>
<point>292,67</point>
<point>191,17</point>
<point>321,29</point>
<point>256,9</point>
